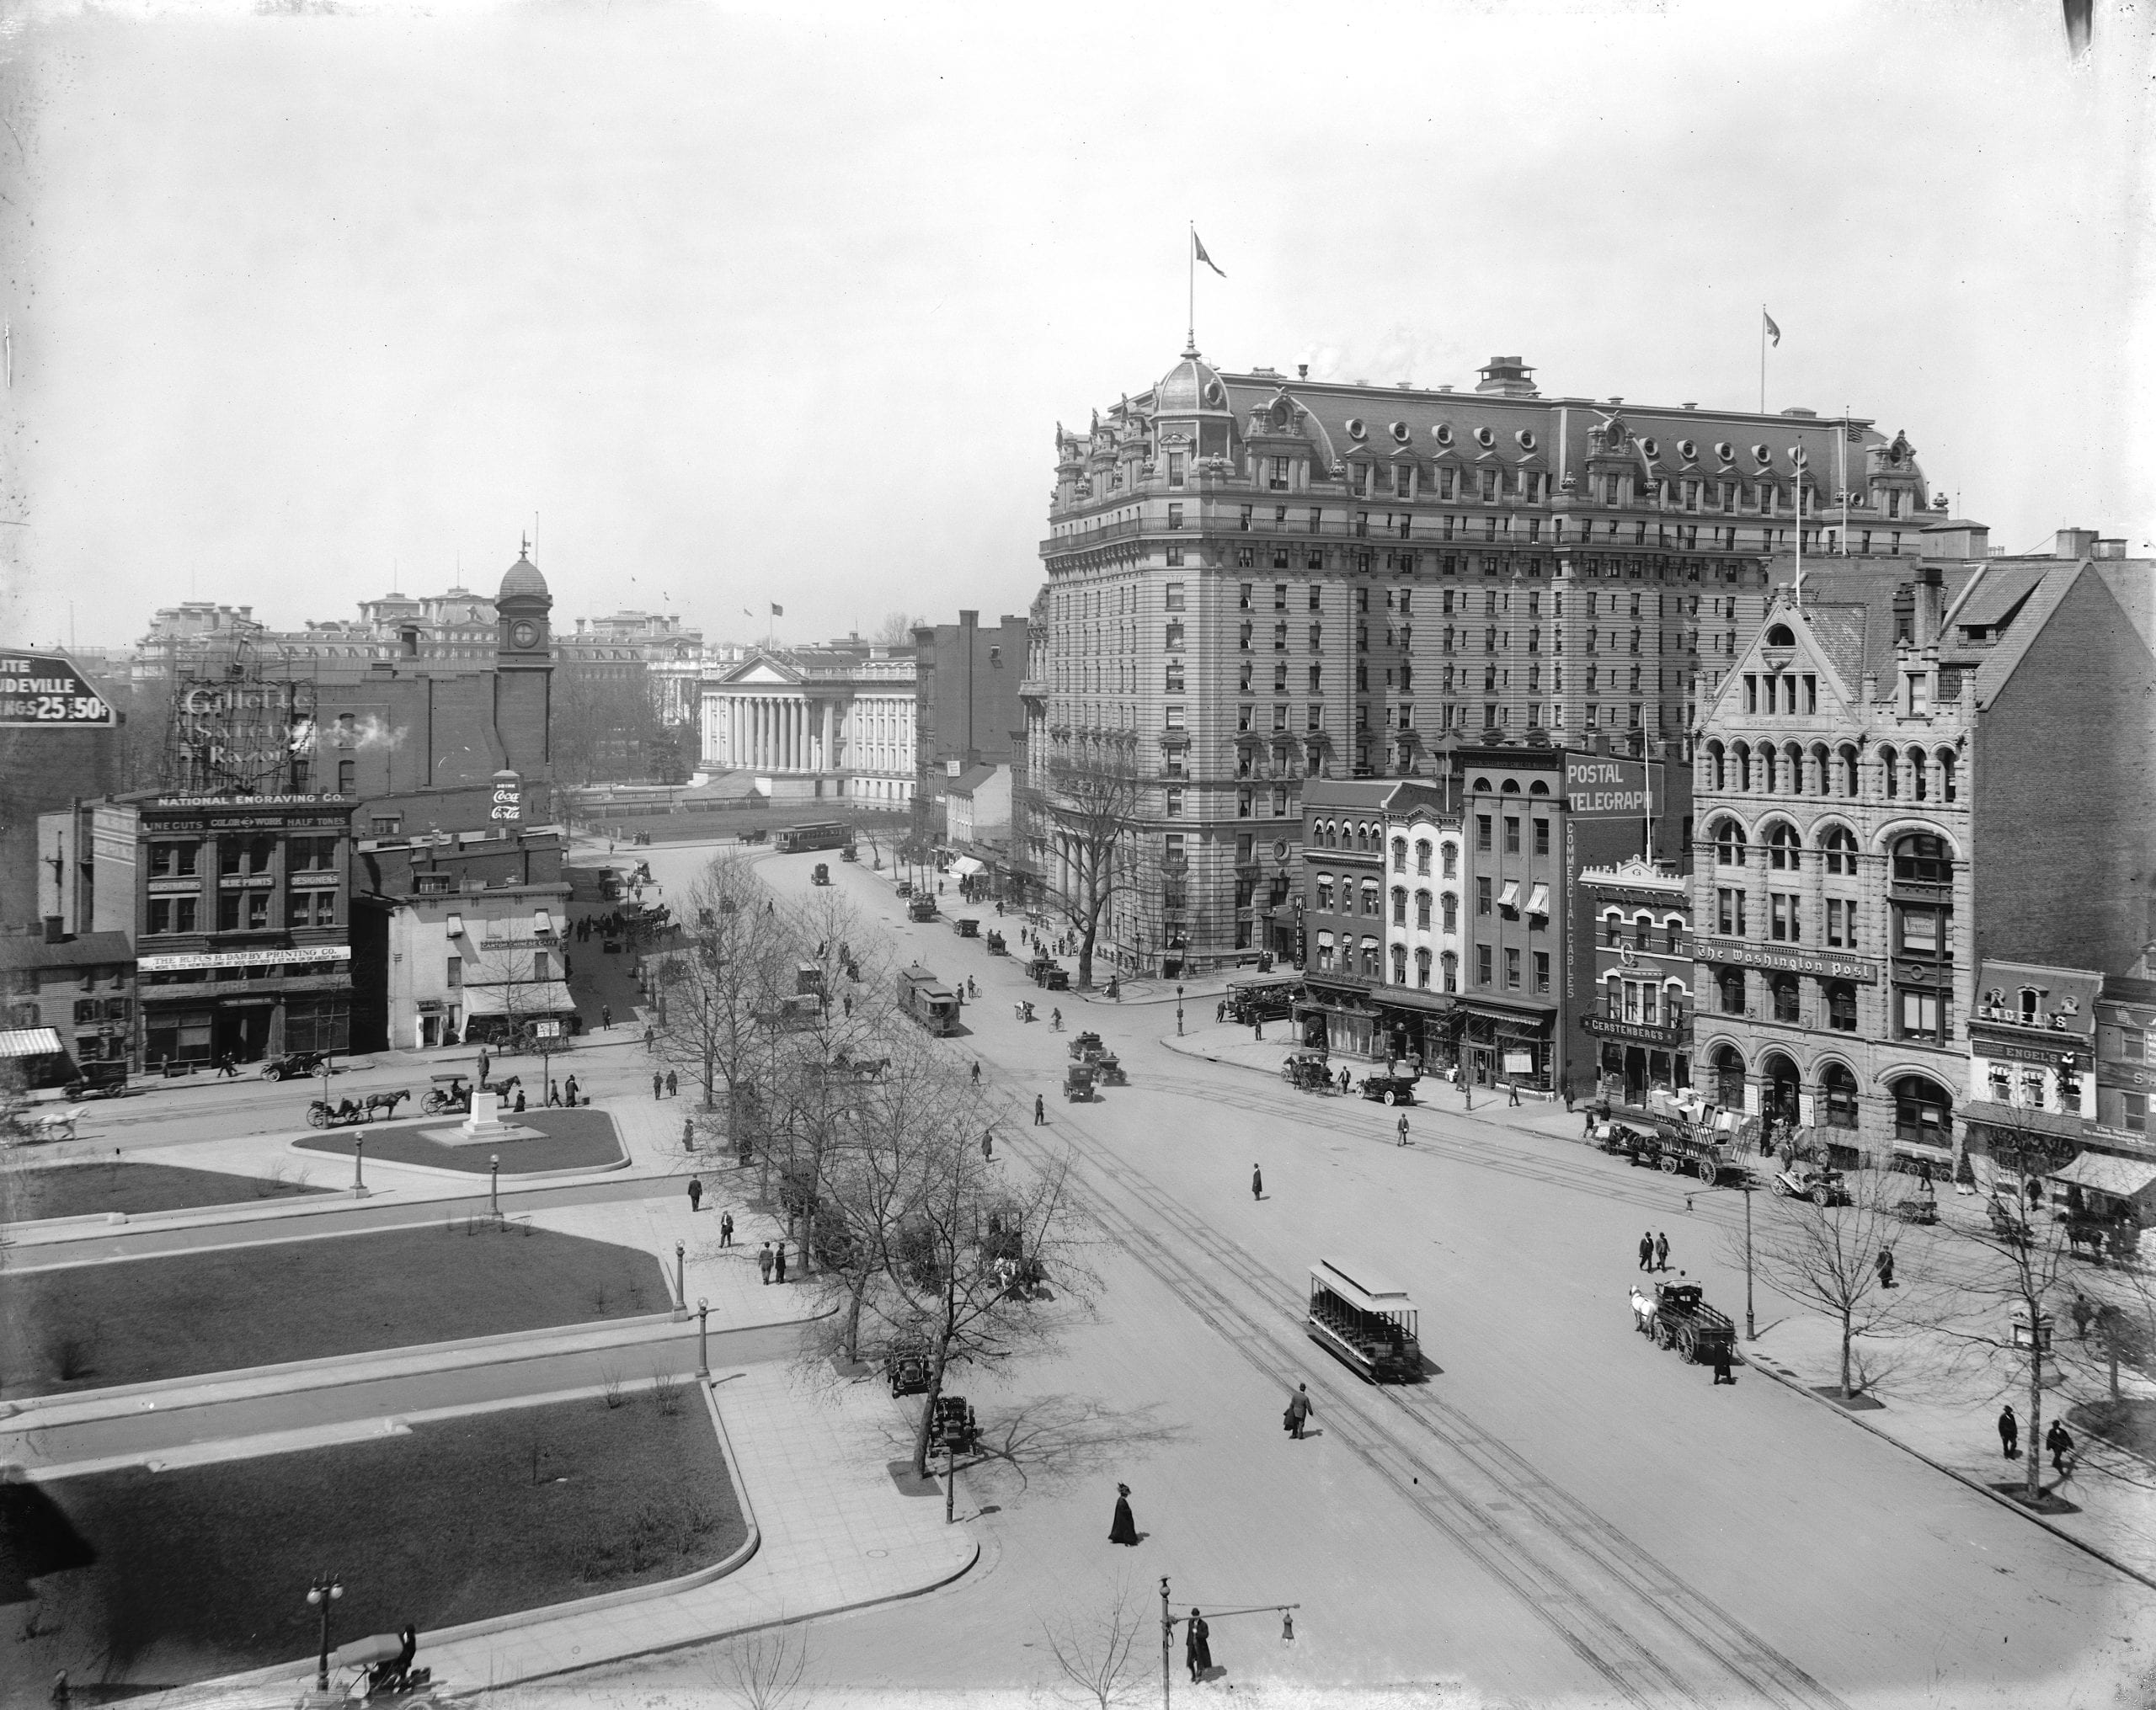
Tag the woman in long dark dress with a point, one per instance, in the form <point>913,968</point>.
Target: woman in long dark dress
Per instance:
<point>1125,1529</point>
<point>1198,1646</point>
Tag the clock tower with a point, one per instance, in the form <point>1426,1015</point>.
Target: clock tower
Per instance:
<point>524,670</point>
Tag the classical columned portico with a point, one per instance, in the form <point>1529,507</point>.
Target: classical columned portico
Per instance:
<point>773,732</point>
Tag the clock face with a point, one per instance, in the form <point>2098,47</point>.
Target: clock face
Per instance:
<point>524,633</point>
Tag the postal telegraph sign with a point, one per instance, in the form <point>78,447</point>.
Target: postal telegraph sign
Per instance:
<point>47,690</point>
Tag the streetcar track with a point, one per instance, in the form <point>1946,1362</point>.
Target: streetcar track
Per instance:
<point>1579,1599</point>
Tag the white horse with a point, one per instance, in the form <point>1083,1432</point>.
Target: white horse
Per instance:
<point>1642,1310</point>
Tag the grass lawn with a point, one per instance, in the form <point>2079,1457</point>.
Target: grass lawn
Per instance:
<point>167,1578</point>
<point>80,1189</point>
<point>578,1139</point>
<point>92,1325</point>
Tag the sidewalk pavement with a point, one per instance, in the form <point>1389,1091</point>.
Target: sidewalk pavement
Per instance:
<point>830,1528</point>
<point>1232,1043</point>
<point>1940,1409</point>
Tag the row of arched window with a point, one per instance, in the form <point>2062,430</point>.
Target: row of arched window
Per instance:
<point>1918,856</point>
<point>1894,773</point>
<point>1363,834</point>
<point>1924,1109</point>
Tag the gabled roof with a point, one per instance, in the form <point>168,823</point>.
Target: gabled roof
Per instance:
<point>972,779</point>
<point>1998,591</point>
<point>21,949</point>
<point>1999,664</point>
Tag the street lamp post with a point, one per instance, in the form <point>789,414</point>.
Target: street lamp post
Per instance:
<point>680,1286</point>
<point>1178,1012</point>
<point>322,1594</point>
<point>1750,1335</point>
<point>494,1184</point>
<point>359,1162</point>
<point>703,1343</point>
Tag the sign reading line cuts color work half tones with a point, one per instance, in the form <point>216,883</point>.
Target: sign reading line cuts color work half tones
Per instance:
<point>47,689</point>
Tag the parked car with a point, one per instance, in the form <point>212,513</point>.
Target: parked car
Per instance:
<point>290,1064</point>
<point>1389,1088</point>
<point>1804,1181</point>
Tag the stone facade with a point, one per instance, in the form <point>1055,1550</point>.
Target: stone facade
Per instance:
<point>833,722</point>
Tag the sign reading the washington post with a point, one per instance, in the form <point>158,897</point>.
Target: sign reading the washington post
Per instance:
<point>1599,788</point>
<point>46,688</point>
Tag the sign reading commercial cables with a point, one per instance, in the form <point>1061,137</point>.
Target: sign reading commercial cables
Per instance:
<point>48,690</point>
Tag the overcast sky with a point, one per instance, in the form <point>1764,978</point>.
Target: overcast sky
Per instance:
<point>756,304</point>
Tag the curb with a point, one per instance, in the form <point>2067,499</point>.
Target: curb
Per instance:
<point>442,1173</point>
<point>2005,1501</point>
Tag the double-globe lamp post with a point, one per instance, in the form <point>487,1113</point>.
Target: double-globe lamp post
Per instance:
<point>325,1591</point>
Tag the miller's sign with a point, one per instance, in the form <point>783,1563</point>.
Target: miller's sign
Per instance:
<point>47,690</point>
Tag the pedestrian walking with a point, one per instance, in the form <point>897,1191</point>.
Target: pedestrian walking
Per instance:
<point>569,1091</point>
<point>2009,1430</point>
<point>764,1262</point>
<point>2082,1312</point>
<point>988,1145</point>
<point>1646,1251</point>
<point>1257,1030</point>
<point>778,1264</point>
<point>1587,1124</point>
<point>1198,1646</point>
<point>1221,1011</point>
<point>688,1134</point>
<point>1883,1264</point>
<point>696,1195</point>
<point>553,1093</point>
<point>1513,1088</point>
<point>976,1073</point>
<point>1568,1096</point>
<point>1040,1111</point>
<point>650,1038</point>
<point>1403,1127</point>
<point>1661,1252</point>
<point>520,1101</point>
<point>1256,1183</point>
<point>605,1015</point>
<point>1124,1531</point>
<point>673,1084</point>
<point>726,1228</point>
<point>1721,1364</point>
<point>2058,1442</point>
<point>846,999</point>
<point>1299,1411</point>
<point>657,1084</point>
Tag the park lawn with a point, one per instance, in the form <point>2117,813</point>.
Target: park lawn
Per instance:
<point>93,1189</point>
<point>174,1577</point>
<point>90,1326</point>
<point>578,1139</point>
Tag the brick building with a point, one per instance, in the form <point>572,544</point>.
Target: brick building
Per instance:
<point>1255,581</point>
<point>967,713</point>
<point>1639,1014</point>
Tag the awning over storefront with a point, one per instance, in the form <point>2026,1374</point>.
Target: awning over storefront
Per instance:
<point>539,997</point>
<point>2120,1178</point>
<point>965,867</point>
<point>30,1042</point>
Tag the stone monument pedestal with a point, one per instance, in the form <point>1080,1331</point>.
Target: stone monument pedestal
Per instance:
<point>485,1122</point>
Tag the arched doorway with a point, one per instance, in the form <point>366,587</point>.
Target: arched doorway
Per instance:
<point>1779,1082</point>
<point>1729,1077</point>
<point>1838,1097</point>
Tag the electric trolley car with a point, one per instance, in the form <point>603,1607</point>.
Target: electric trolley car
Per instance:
<point>1366,1322</point>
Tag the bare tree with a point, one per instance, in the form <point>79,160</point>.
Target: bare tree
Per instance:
<point>724,985</point>
<point>1091,809</point>
<point>1099,1655</point>
<point>762,1669</point>
<point>1828,1256</point>
<point>897,628</point>
<point>2001,1276</point>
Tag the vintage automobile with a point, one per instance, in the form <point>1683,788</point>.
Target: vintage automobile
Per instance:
<point>905,1369</point>
<point>921,908</point>
<point>820,874</point>
<point>993,941</point>
<point>904,887</point>
<point>953,1426</point>
<point>757,835</point>
<point>1389,1088</point>
<point>966,926</point>
<point>1078,1083</point>
<point>849,854</point>
<point>289,1065</point>
<point>1918,1208</point>
<point>1806,1181</point>
<point>1107,1070</point>
<point>1086,1045</point>
<point>98,1080</point>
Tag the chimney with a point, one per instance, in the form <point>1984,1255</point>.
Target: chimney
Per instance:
<point>1931,605</point>
<point>1302,370</point>
<point>2074,543</point>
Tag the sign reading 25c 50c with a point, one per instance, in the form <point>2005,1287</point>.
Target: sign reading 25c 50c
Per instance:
<point>46,688</point>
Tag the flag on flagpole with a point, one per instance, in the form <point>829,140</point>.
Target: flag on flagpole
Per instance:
<point>1774,332</point>
<point>778,611</point>
<point>1200,243</point>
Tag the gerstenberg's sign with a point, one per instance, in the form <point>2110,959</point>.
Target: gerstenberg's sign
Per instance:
<point>1596,786</point>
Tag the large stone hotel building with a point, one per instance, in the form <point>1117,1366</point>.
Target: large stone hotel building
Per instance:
<point>1255,580</point>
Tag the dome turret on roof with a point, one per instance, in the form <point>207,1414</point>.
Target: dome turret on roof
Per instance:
<point>1191,385</point>
<point>523,577</point>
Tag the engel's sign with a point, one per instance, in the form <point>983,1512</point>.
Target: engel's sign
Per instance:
<point>1597,785</point>
<point>46,688</point>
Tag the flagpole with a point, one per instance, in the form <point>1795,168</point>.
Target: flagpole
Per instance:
<point>1800,528</point>
<point>1845,479</point>
<point>1763,359</point>
<point>1190,268</point>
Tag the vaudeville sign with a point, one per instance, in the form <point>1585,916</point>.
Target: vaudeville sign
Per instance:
<point>46,688</point>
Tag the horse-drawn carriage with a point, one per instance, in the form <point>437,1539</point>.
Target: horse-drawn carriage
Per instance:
<point>452,1093</point>
<point>375,1107</point>
<point>1676,1315</point>
<point>1307,1070</point>
<point>993,941</point>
